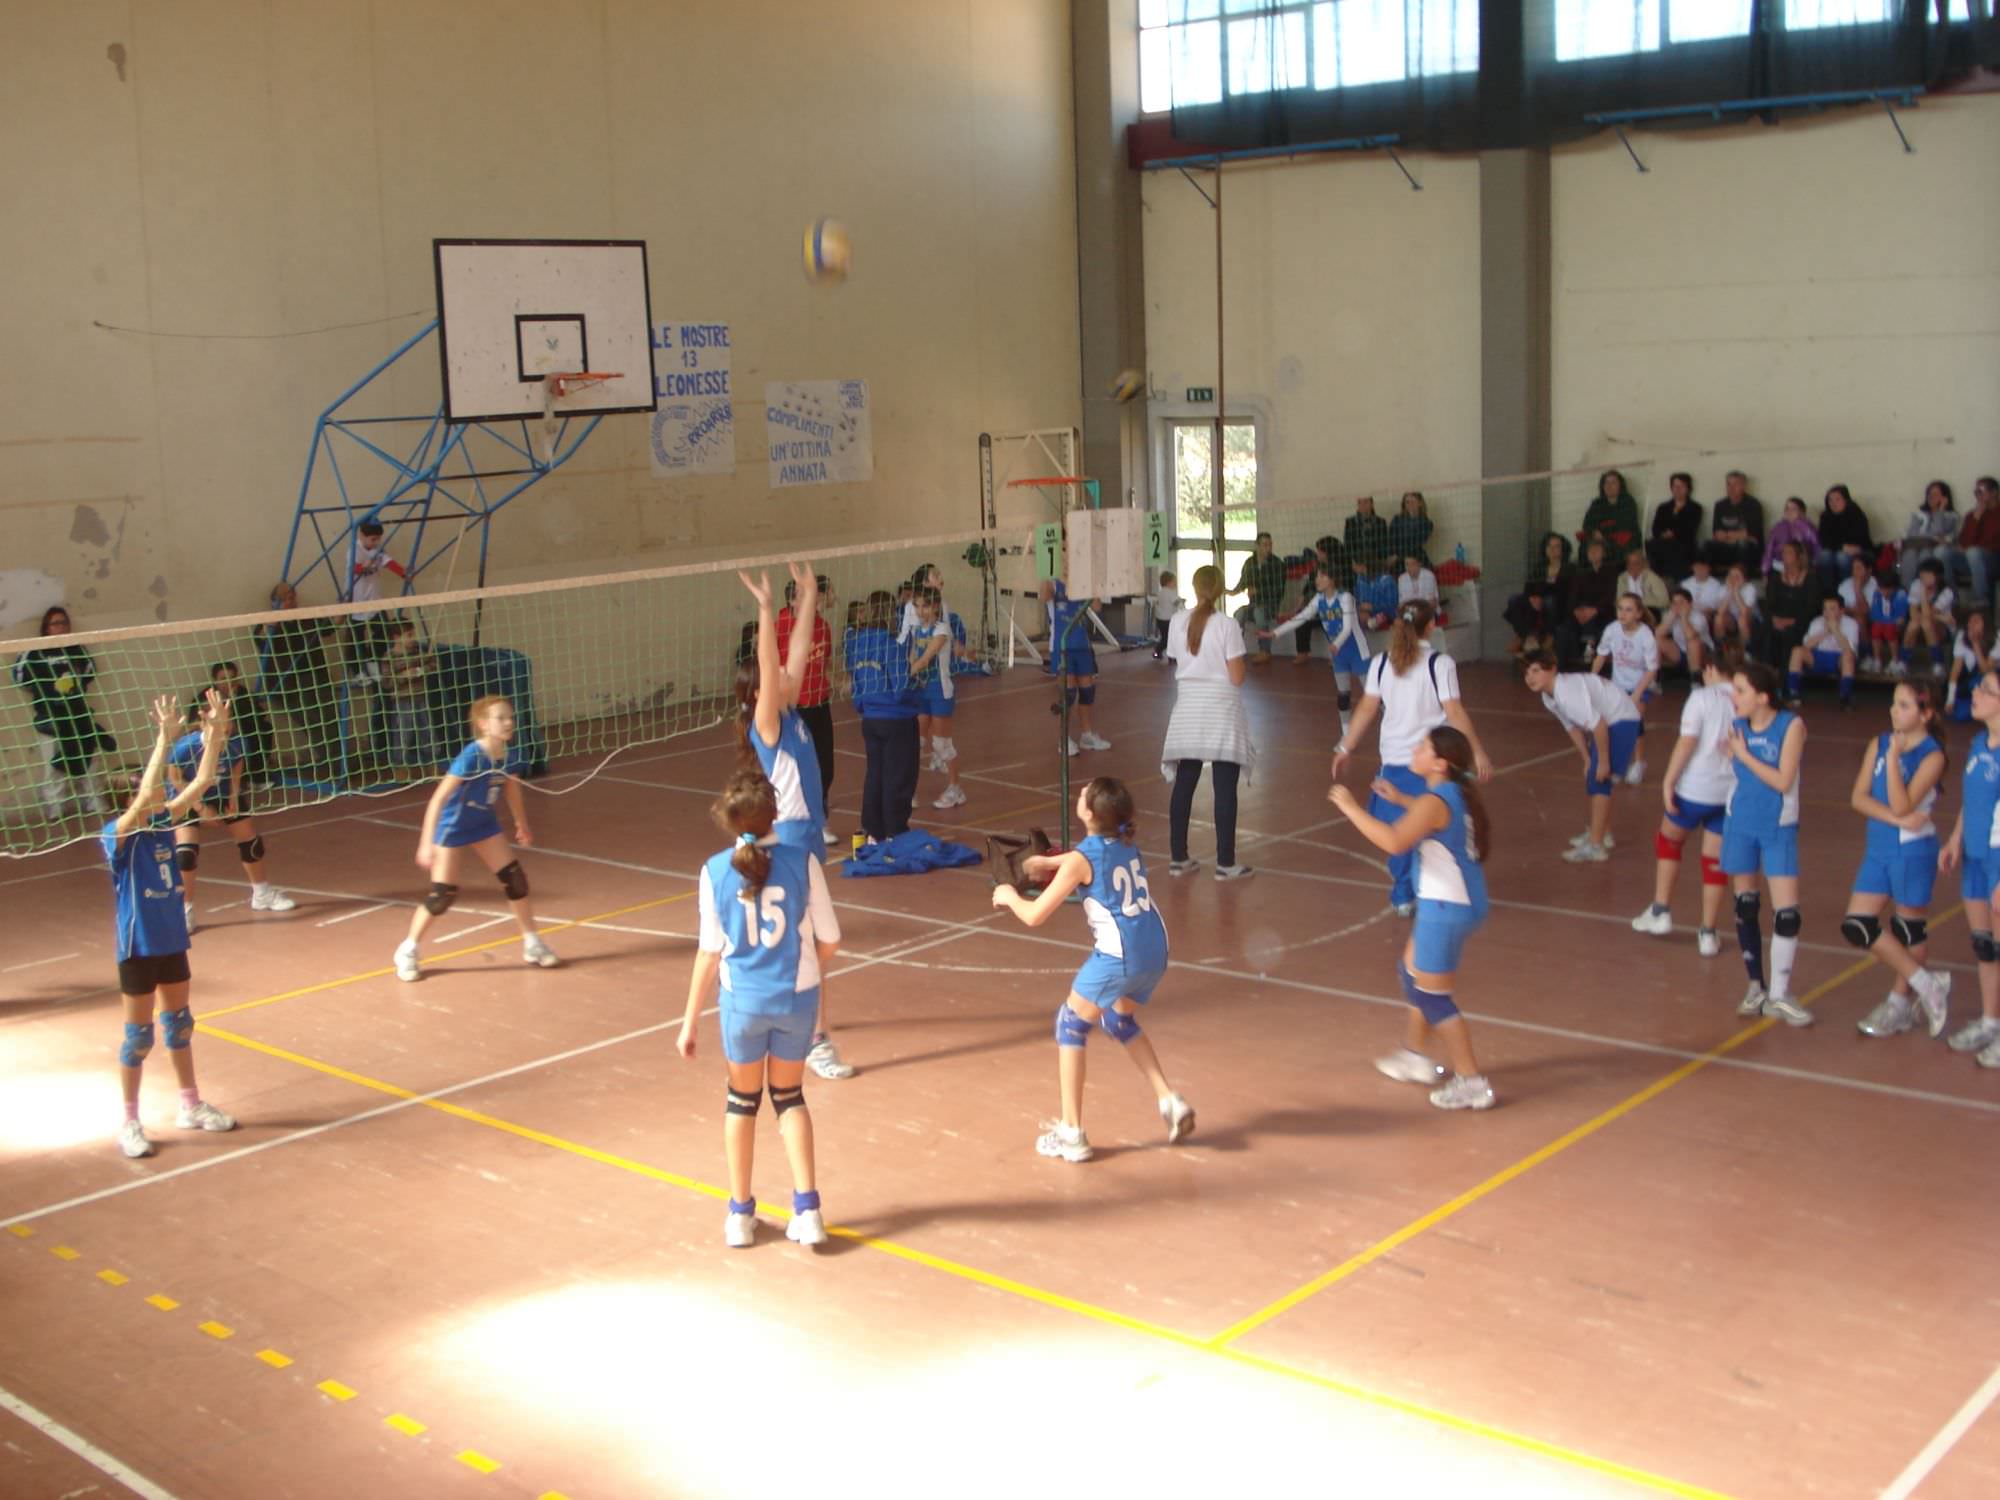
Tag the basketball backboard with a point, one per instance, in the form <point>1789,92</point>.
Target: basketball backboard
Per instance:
<point>513,312</point>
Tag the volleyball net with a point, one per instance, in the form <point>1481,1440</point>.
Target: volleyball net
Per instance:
<point>372,698</point>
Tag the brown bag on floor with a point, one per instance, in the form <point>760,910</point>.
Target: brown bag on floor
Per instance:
<point>1007,857</point>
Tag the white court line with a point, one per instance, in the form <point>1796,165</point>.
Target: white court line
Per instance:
<point>366,911</point>
<point>83,1448</point>
<point>466,932</point>
<point>1935,1450</point>
<point>38,962</point>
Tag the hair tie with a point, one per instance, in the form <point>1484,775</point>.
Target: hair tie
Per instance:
<point>1124,828</point>
<point>746,838</point>
<point>1409,614</point>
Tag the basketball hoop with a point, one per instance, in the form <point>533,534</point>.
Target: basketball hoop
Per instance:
<point>555,386</point>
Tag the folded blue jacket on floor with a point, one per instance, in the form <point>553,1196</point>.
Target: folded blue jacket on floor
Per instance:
<point>909,853</point>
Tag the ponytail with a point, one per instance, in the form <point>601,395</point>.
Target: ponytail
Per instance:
<point>1207,589</point>
<point>1413,623</point>
<point>747,808</point>
<point>1452,747</point>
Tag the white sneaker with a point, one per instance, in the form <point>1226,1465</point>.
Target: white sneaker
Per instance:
<point>1072,748</point>
<point>187,910</point>
<point>951,796</point>
<point>1785,1008</point>
<point>1464,1093</point>
<point>824,1059</point>
<point>1233,872</point>
<point>1707,942</point>
<point>1092,740</point>
<point>1899,668</point>
<point>1587,853</point>
<point>1407,1066</point>
<point>1058,1139</point>
<point>1179,1117</point>
<point>407,969</point>
<point>1654,923</point>
<point>270,898</point>
<point>807,1228</point>
<point>540,954</point>
<point>1610,840</point>
<point>1975,1036</point>
<point>935,763</point>
<point>1752,1003</point>
<point>1990,1058</point>
<point>830,839</point>
<point>1180,867</point>
<point>1935,997</point>
<point>739,1231</point>
<point>132,1140</point>
<point>1890,1018</point>
<point>201,1115</point>
<point>1635,774</point>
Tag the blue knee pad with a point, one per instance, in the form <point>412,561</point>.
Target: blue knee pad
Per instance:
<point>1087,695</point>
<point>179,1027</point>
<point>137,1044</point>
<point>1433,1007</point>
<point>1071,1029</point>
<point>1120,1027</point>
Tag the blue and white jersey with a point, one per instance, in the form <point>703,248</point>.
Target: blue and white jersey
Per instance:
<point>769,942</point>
<point>937,671</point>
<point>185,757</point>
<point>1062,610</point>
<point>792,768</point>
<point>151,920</point>
<point>1753,806</point>
<point>879,674</point>
<point>1977,800</point>
<point>468,815</point>
<point>1883,838</point>
<point>1446,868</point>
<point>1337,615</point>
<point>1119,905</point>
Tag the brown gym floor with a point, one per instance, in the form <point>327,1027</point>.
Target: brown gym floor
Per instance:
<point>468,1239</point>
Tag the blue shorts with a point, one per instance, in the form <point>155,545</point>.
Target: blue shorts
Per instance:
<point>1349,659</point>
<point>1624,738</point>
<point>751,1036</point>
<point>1077,661</point>
<point>1104,980</point>
<point>1769,851</point>
<point>1825,664</point>
<point>935,704</point>
<point>1692,815</point>
<point>1441,930</point>
<point>468,831</point>
<point>1905,876</point>
<point>1976,878</point>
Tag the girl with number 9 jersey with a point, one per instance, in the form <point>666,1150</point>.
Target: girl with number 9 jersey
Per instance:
<point>1127,961</point>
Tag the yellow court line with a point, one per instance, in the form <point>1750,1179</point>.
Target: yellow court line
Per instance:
<point>1004,1284</point>
<point>334,984</point>
<point>1526,1164</point>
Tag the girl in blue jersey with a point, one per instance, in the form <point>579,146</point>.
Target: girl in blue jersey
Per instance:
<point>930,673</point>
<point>1974,846</point>
<point>1126,964</point>
<point>1447,827</point>
<point>152,924</point>
<point>767,924</point>
<point>1074,660</point>
<point>778,741</point>
<point>1760,836</point>
<point>460,817</point>
<point>1895,790</point>
<point>1334,609</point>
<point>227,803</point>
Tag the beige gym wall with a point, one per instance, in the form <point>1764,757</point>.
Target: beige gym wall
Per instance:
<point>1808,303</point>
<point>247,167</point>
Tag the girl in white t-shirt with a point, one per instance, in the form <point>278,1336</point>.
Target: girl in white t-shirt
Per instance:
<point>1736,617</point>
<point>1208,723</point>
<point>1931,602</point>
<point>1633,653</point>
<point>1695,793</point>
<point>1415,689</point>
<point>1603,724</point>
<point>1971,654</point>
<point>1684,637</point>
<point>1417,582</point>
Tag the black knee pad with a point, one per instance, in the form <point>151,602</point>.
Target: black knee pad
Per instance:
<point>1787,922</point>
<point>251,851</point>
<point>1911,932</point>
<point>787,1099</point>
<point>1859,930</point>
<point>1346,701</point>
<point>1984,948</point>
<point>514,881</point>
<point>743,1104</point>
<point>438,900</point>
<point>1748,905</point>
<point>187,857</point>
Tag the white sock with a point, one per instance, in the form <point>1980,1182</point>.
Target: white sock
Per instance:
<point>1784,951</point>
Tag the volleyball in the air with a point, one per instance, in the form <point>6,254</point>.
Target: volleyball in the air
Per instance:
<point>827,251</point>
<point>1128,384</point>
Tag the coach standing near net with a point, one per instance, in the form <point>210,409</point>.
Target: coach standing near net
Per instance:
<point>815,693</point>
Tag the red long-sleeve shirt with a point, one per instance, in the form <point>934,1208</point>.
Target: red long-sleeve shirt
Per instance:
<point>814,689</point>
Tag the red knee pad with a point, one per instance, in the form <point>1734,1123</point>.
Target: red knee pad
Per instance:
<point>1666,848</point>
<point>1711,872</point>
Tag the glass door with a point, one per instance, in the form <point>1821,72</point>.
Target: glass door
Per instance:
<point>1198,534</point>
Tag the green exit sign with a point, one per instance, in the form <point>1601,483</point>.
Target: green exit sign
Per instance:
<point>1201,393</point>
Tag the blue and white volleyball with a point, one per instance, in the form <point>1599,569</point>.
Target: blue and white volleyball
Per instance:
<point>827,252</point>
